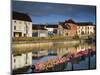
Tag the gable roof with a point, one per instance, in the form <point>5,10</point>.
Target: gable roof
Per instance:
<point>20,16</point>
<point>64,26</point>
<point>69,21</point>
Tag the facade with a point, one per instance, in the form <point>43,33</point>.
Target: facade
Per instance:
<point>39,30</point>
<point>67,28</point>
<point>71,28</point>
<point>72,50</point>
<point>21,60</point>
<point>40,53</point>
<point>42,30</point>
<point>62,29</point>
<point>52,29</point>
<point>61,51</point>
<point>85,29</point>
<point>83,47</point>
<point>21,25</point>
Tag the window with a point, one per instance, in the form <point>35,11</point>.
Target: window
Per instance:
<point>14,27</point>
<point>14,21</point>
<point>66,33</point>
<point>88,27</point>
<point>14,60</point>
<point>82,32</point>
<point>88,32</point>
<point>26,58</point>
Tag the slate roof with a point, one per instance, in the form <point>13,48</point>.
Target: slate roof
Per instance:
<point>21,16</point>
<point>84,24</point>
<point>52,26</point>
<point>38,27</point>
<point>69,21</point>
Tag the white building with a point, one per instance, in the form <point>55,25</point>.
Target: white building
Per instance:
<point>85,29</point>
<point>21,25</point>
<point>52,29</point>
<point>39,30</point>
<point>21,60</point>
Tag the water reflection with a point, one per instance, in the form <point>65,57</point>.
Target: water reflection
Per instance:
<point>44,55</point>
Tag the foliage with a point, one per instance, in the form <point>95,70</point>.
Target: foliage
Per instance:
<point>38,38</point>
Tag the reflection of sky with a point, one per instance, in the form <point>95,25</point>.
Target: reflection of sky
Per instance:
<point>53,13</point>
<point>44,59</point>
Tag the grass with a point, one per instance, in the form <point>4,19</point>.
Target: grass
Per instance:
<point>42,39</point>
<point>38,38</point>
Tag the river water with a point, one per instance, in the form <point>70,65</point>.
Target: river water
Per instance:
<point>43,55</point>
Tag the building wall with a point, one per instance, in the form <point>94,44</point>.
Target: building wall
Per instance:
<point>42,33</point>
<point>61,51</point>
<point>91,29</point>
<point>72,50</point>
<point>22,60</point>
<point>51,31</point>
<point>85,30</point>
<point>22,28</point>
<point>72,31</point>
<point>83,47</point>
<point>40,53</point>
<point>60,30</point>
<point>34,33</point>
<point>81,30</point>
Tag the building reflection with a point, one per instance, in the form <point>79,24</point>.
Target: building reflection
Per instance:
<point>39,53</point>
<point>21,60</point>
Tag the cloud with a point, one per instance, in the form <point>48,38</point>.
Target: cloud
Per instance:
<point>40,9</point>
<point>43,9</point>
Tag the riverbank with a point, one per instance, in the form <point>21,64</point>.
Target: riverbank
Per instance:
<point>22,40</point>
<point>29,40</point>
<point>26,47</point>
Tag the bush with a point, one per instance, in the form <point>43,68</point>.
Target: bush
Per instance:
<point>76,37</point>
<point>56,37</point>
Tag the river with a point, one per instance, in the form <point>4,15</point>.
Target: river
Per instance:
<point>43,55</point>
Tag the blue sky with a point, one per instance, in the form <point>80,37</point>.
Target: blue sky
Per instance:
<point>45,13</point>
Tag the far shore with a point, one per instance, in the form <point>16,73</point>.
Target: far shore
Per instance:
<point>26,47</point>
<point>23,45</point>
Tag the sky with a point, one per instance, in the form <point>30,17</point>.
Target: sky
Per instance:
<point>53,13</point>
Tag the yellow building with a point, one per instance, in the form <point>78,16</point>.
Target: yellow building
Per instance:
<point>85,29</point>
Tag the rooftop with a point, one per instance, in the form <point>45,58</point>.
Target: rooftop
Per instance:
<point>38,27</point>
<point>84,23</point>
<point>21,16</point>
